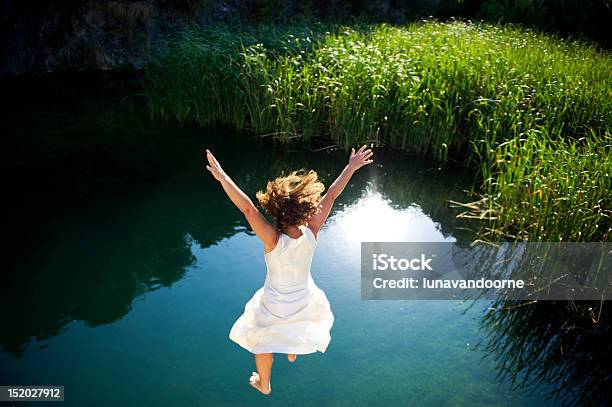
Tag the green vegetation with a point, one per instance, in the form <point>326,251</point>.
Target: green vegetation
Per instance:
<point>584,18</point>
<point>532,112</point>
<point>540,188</point>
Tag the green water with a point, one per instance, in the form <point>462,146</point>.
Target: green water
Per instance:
<point>127,266</point>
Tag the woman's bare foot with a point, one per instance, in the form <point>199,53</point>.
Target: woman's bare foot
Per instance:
<point>291,357</point>
<point>255,382</point>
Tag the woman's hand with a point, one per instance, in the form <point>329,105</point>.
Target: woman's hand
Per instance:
<point>214,167</point>
<point>360,158</point>
<point>356,161</point>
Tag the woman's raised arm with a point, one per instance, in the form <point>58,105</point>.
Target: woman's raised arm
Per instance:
<point>356,161</point>
<point>262,228</point>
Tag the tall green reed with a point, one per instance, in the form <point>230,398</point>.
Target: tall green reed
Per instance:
<point>429,87</point>
<point>471,90</point>
<point>541,188</point>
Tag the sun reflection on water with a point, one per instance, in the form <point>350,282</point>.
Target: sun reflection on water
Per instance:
<point>374,218</point>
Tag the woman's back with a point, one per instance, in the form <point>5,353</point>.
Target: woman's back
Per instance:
<point>289,262</point>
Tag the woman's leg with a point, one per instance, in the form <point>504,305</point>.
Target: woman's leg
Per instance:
<point>263,363</point>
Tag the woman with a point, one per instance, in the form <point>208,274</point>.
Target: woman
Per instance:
<point>289,314</point>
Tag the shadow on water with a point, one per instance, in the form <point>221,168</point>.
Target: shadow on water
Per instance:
<point>106,204</point>
<point>561,346</point>
<point>539,342</point>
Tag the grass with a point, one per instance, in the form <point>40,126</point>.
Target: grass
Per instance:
<point>546,189</point>
<point>531,112</point>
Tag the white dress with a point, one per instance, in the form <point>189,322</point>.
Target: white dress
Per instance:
<point>289,314</point>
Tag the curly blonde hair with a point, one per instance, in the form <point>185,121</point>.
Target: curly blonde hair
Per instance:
<point>292,199</point>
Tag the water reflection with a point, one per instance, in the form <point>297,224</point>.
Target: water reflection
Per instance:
<point>90,262</point>
<point>559,348</point>
<point>107,207</point>
<point>374,218</point>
